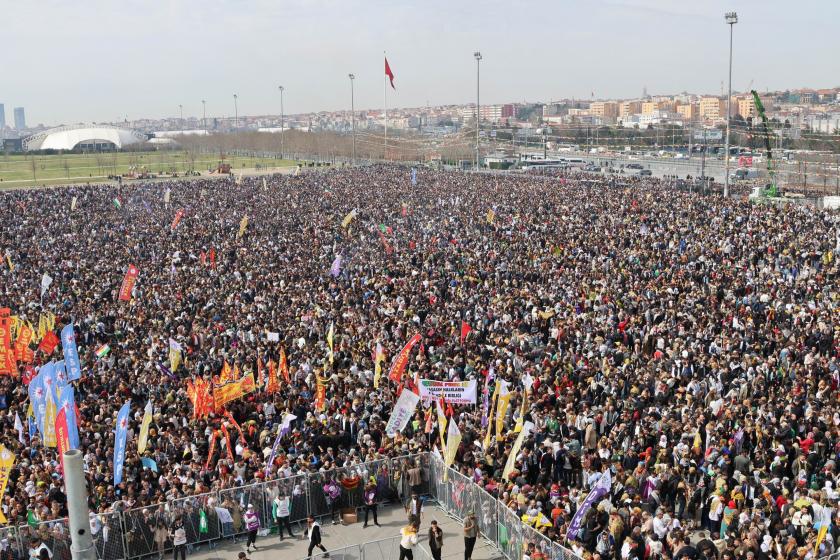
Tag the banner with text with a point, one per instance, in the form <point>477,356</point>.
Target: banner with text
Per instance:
<point>455,392</point>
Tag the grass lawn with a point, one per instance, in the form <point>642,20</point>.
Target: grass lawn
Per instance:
<point>26,170</point>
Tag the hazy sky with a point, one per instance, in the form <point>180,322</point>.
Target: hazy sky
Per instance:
<point>97,60</point>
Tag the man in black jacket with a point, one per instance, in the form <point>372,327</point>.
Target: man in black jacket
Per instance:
<point>314,532</point>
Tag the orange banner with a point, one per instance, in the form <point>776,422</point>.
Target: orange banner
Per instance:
<point>233,390</point>
<point>401,361</point>
<point>198,392</point>
<point>128,282</point>
<point>22,351</point>
<point>284,366</point>
<point>7,355</point>
<point>272,385</point>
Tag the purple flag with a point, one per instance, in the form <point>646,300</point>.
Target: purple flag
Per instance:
<point>602,487</point>
<point>335,269</point>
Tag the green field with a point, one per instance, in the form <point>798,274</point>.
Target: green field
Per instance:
<point>28,170</point>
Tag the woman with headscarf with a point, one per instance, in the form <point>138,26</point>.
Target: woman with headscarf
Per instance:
<point>729,514</point>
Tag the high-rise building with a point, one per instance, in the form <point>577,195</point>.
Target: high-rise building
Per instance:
<point>712,108</point>
<point>629,108</point>
<point>20,118</point>
<point>2,116</point>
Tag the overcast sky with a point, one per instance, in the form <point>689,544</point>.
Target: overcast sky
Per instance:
<point>99,60</point>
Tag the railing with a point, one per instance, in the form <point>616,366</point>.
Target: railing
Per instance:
<point>496,522</point>
<point>141,532</point>
<point>385,549</point>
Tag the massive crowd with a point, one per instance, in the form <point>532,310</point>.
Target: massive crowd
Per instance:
<point>686,343</point>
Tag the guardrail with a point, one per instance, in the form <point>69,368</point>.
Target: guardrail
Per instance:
<point>217,516</point>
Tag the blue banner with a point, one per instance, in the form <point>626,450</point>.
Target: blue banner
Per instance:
<point>49,378</point>
<point>149,463</point>
<point>71,353</point>
<point>67,401</point>
<point>33,427</point>
<point>414,176</point>
<point>38,398</point>
<point>60,375</point>
<point>119,446</point>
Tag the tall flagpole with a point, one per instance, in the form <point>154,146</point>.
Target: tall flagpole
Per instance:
<point>385,83</point>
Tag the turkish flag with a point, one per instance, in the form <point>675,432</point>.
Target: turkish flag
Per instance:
<point>389,73</point>
<point>465,331</point>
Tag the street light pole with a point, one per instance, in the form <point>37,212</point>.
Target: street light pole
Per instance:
<point>477,56</point>
<point>204,115</point>
<point>282,121</point>
<point>236,112</point>
<point>731,20</point>
<point>181,107</point>
<point>353,115</point>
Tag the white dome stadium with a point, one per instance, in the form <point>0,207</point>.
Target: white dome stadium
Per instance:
<point>94,137</point>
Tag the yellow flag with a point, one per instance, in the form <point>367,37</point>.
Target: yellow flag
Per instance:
<point>330,337</point>
<point>243,225</point>
<point>453,440</point>
<point>42,326</point>
<point>491,216</point>
<point>174,359</point>
<point>50,320</point>
<point>501,409</point>
<point>7,460</point>
<point>9,262</point>
<point>34,333</point>
<point>348,218</point>
<point>143,437</point>
<point>49,422</point>
<point>521,418</point>
<point>378,358</point>
<point>14,326</point>
<point>517,445</point>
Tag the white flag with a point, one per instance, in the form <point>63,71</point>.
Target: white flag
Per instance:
<point>73,203</point>
<point>19,428</point>
<point>46,280</point>
<point>167,195</point>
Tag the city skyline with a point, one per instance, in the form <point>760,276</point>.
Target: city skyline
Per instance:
<point>540,51</point>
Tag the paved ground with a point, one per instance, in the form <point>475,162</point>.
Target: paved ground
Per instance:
<point>336,537</point>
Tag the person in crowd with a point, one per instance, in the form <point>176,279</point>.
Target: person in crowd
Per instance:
<point>178,535</point>
<point>313,531</point>
<point>281,511</point>
<point>252,525</point>
<point>470,534</point>
<point>435,540</point>
<point>370,501</point>
<point>408,540</point>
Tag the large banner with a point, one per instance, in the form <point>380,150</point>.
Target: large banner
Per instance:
<point>403,411</point>
<point>7,460</point>
<point>232,390</point>
<point>455,392</point>
<point>401,361</point>
<point>128,283</point>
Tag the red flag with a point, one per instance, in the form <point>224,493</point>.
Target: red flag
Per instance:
<point>128,282</point>
<point>202,258</point>
<point>29,374</point>
<point>48,343</point>
<point>177,220</point>
<point>212,258</point>
<point>284,366</point>
<point>385,244</point>
<point>389,73</point>
<point>62,436</point>
<point>401,361</point>
<point>465,331</point>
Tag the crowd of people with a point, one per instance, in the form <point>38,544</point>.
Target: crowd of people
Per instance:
<point>685,343</point>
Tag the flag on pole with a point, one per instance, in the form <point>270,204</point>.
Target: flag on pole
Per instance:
<point>62,439</point>
<point>243,225</point>
<point>389,73</point>
<point>602,487</point>
<point>348,218</point>
<point>103,351</point>
<point>378,358</point>
<point>46,280</point>
<point>284,366</point>
<point>175,350</point>
<point>330,338</point>
<point>71,353</point>
<point>121,440</point>
<point>128,282</point>
<point>401,361</point>
<point>73,203</point>
<point>117,203</point>
<point>143,437</point>
<point>19,428</point>
<point>7,460</point>
<point>453,440</point>
<point>335,269</point>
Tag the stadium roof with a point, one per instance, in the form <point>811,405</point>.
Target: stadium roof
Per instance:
<point>68,137</point>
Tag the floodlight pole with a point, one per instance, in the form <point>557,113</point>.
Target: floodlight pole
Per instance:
<point>81,542</point>
<point>353,115</point>
<point>731,20</point>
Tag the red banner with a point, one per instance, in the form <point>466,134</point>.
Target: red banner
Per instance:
<point>272,385</point>
<point>211,451</point>
<point>177,220</point>
<point>62,436</point>
<point>401,361</point>
<point>7,355</point>
<point>22,350</point>
<point>227,443</point>
<point>128,282</point>
<point>232,390</point>
<point>48,343</point>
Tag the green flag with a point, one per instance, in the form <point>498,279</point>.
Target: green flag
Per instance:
<point>31,520</point>
<point>202,522</point>
<point>503,535</point>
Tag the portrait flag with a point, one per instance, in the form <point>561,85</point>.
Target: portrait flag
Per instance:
<point>143,436</point>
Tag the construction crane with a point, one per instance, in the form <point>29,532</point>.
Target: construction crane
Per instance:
<point>771,190</point>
